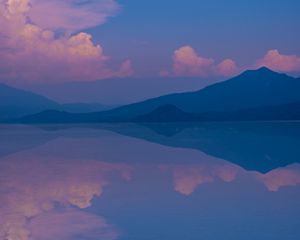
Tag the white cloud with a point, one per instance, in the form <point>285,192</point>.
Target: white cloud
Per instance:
<point>280,62</point>
<point>187,62</point>
<point>31,51</point>
<point>71,15</point>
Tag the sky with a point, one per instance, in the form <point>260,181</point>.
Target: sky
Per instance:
<point>62,41</point>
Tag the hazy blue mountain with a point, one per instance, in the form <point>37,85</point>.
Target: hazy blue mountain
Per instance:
<point>252,89</point>
<point>170,113</point>
<point>16,102</point>
<point>51,116</point>
<point>167,113</point>
<point>289,111</point>
<point>119,90</point>
<point>254,95</point>
<point>85,107</point>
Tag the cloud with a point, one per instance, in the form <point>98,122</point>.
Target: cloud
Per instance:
<point>227,68</point>
<point>187,62</point>
<point>71,15</point>
<point>279,62</point>
<point>32,50</point>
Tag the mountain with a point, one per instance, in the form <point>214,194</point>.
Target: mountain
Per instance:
<point>254,95</point>
<point>51,116</point>
<point>16,102</point>
<point>170,113</point>
<point>252,89</point>
<point>167,113</point>
<point>114,91</point>
<point>85,107</point>
<point>283,112</point>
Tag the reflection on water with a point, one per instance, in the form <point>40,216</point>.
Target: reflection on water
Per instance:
<point>41,191</point>
<point>135,183</point>
<point>187,178</point>
<point>278,178</point>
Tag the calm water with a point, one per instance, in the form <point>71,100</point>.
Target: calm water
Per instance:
<point>150,182</point>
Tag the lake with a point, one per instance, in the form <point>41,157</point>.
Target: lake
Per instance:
<point>211,181</point>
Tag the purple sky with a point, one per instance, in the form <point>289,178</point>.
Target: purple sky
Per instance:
<point>58,41</point>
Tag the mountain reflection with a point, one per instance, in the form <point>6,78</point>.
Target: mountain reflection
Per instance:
<point>70,184</point>
<point>257,146</point>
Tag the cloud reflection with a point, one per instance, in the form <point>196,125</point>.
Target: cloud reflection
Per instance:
<point>50,193</point>
<point>188,178</point>
<point>279,178</point>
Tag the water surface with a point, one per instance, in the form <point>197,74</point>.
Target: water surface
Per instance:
<point>150,182</point>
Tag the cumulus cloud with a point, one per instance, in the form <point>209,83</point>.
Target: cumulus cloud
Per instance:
<point>226,68</point>
<point>33,51</point>
<point>187,62</point>
<point>280,62</point>
<point>71,15</point>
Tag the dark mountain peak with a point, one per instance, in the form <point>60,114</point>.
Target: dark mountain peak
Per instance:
<point>253,89</point>
<point>264,69</point>
<point>168,108</point>
<point>261,73</point>
<point>49,116</point>
<point>166,113</point>
<point>16,102</point>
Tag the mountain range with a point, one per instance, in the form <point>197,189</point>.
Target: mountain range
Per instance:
<point>17,103</point>
<point>255,95</point>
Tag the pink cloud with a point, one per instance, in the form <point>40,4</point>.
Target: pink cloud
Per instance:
<point>227,68</point>
<point>279,62</point>
<point>187,62</point>
<point>71,16</point>
<point>31,53</point>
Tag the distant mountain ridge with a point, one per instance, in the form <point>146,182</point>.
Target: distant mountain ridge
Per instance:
<point>254,95</point>
<point>251,89</point>
<point>170,113</point>
<point>16,103</point>
<point>167,113</point>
